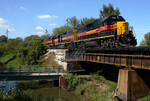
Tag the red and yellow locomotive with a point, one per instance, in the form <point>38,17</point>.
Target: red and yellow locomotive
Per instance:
<point>111,31</point>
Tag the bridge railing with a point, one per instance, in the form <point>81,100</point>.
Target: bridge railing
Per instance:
<point>29,69</point>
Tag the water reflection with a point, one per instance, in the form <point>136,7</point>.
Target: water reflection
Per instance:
<point>7,84</point>
<point>56,93</point>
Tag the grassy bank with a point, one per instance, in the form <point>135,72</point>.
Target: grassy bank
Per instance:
<point>92,88</point>
<point>9,59</point>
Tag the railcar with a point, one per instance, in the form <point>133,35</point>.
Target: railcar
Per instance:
<point>111,31</point>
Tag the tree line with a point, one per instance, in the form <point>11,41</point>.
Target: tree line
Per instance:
<point>27,51</point>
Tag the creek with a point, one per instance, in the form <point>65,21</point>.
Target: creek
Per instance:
<point>58,94</point>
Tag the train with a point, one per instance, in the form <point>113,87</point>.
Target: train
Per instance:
<point>109,32</point>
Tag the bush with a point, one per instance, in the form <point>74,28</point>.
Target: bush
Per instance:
<point>73,81</point>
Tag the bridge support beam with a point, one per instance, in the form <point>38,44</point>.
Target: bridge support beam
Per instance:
<point>130,86</point>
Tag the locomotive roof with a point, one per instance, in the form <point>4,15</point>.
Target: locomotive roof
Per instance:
<point>110,17</point>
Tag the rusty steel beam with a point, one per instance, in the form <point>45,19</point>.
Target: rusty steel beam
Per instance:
<point>129,61</point>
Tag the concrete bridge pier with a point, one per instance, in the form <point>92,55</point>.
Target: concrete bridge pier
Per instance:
<point>130,86</point>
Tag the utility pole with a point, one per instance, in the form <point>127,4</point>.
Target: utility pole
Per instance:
<point>46,31</point>
<point>7,31</point>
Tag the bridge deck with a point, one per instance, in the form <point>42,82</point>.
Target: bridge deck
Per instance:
<point>130,57</point>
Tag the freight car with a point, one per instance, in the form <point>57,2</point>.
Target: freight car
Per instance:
<point>111,31</point>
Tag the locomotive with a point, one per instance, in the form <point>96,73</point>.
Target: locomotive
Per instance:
<point>109,32</point>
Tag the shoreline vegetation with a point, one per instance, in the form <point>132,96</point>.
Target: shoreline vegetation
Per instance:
<point>89,88</point>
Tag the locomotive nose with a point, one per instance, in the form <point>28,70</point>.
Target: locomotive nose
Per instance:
<point>122,28</point>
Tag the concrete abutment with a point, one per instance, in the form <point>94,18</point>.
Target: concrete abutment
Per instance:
<point>131,86</point>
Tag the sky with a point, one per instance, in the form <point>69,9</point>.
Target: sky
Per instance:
<point>31,17</point>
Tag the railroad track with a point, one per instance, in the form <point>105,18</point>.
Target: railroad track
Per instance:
<point>121,50</point>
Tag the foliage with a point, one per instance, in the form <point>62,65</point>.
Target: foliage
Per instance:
<point>73,81</point>
<point>3,38</point>
<point>31,39</point>
<point>146,98</point>
<point>22,95</point>
<point>108,11</point>
<point>86,20</point>
<point>45,36</point>
<point>146,41</point>
<point>13,44</point>
<point>30,55</point>
<point>2,48</point>
<point>50,60</point>
<point>7,57</point>
<point>61,29</point>
<point>96,88</point>
<point>73,22</point>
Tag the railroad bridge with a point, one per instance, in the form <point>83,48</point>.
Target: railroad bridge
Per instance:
<point>134,63</point>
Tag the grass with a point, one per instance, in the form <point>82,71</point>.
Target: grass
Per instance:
<point>146,98</point>
<point>9,59</point>
<point>96,88</point>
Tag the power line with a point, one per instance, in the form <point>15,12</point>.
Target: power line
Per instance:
<point>46,31</point>
<point>7,31</point>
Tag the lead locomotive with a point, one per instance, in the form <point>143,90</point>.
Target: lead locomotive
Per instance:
<point>111,31</point>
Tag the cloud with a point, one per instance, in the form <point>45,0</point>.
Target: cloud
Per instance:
<point>46,16</point>
<point>4,25</point>
<point>11,29</point>
<point>39,28</point>
<point>39,33</point>
<point>22,8</point>
<point>54,16</point>
<point>52,24</point>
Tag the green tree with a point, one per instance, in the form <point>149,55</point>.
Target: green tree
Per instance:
<point>31,55</point>
<point>30,39</point>
<point>13,44</point>
<point>86,20</point>
<point>73,22</point>
<point>45,36</point>
<point>61,29</point>
<point>2,48</point>
<point>108,11</point>
<point>146,41</point>
<point>3,38</point>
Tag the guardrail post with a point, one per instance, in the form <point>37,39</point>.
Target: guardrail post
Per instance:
<point>19,69</point>
<point>39,71</point>
<point>57,69</point>
<point>45,69</point>
<point>48,70</point>
<point>29,70</point>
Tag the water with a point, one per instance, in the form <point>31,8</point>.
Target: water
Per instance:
<point>8,84</point>
<point>58,94</point>
<point>54,92</point>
